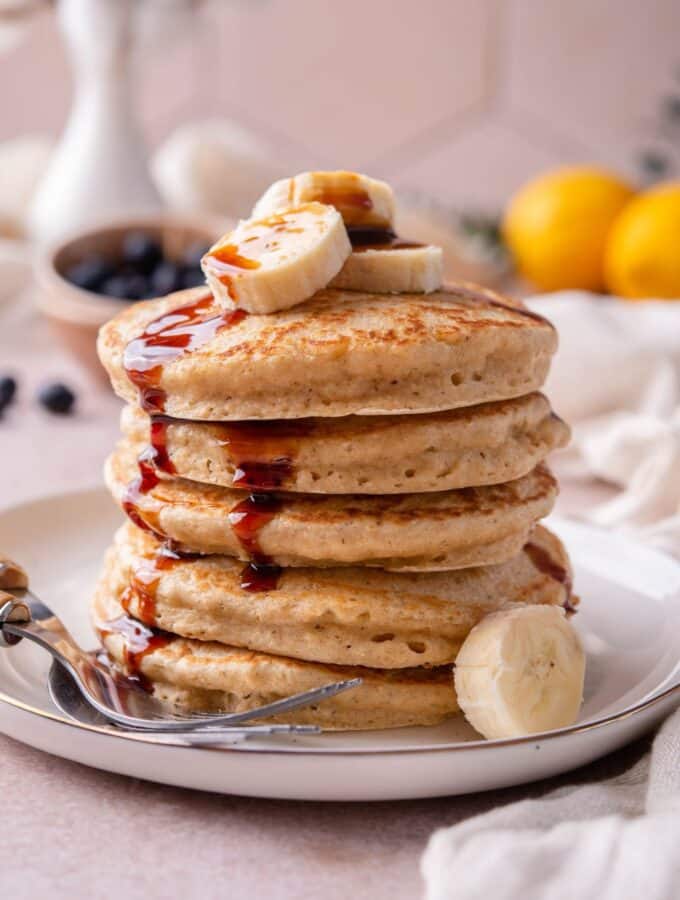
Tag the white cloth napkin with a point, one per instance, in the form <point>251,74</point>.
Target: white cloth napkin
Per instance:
<point>617,840</point>
<point>616,379</point>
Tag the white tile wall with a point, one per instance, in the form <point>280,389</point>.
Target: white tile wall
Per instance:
<point>462,98</point>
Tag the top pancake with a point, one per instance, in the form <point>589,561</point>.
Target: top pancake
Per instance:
<point>341,353</point>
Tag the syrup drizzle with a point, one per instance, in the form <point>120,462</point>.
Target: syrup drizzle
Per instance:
<point>547,565</point>
<point>262,452</point>
<point>363,239</point>
<point>230,260</point>
<point>173,334</point>
<point>247,519</point>
<point>144,583</point>
<point>345,197</point>
<point>139,641</point>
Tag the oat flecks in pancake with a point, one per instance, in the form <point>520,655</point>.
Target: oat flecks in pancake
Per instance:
<point>434,531</point>
<point>346,352</point>
<point>346,616</point>
<point>489,443</point>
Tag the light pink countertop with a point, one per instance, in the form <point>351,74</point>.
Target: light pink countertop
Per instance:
<point>72,832</point>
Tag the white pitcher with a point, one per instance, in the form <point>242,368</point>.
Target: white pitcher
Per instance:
<point>99,169</point>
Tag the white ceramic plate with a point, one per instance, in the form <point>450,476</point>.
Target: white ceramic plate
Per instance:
<point>629,620</point>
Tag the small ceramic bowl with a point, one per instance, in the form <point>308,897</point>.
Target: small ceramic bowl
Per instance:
<point>75,314</point>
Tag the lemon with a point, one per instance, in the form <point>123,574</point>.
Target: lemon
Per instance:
<point>557,226</point>
<point>643,251</point>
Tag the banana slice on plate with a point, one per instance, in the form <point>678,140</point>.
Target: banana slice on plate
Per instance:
<point>399,267</point>
<point>520,671</point>
<point>362,202</point>
<point>275,262</point>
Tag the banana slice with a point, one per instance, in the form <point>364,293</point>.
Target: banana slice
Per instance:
<point>400,268</point>
<point>362,202</point>
<point>520,671</point>
<point>273,263</point>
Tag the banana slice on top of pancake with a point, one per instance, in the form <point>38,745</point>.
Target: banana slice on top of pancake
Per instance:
<point>380,262</point>
<point>274,262</point>
<point>362,202</point>
<point>384,263</point>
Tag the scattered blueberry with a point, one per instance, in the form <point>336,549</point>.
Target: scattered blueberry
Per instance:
<point>90,273</point>
<point>165,279</point>
<point>8,388</point>
<point>57,398</point>
<point>141,251</point>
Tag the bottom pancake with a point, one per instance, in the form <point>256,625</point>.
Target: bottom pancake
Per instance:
<point>205,676</point>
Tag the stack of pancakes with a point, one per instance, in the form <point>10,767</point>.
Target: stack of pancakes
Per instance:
<point>345,487</point>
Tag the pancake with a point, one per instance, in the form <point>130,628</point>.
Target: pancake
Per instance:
<point>339,353</point>
<point>410,532</point>
<point>476,445</point>
<point>345,616</point>
<point>203,676</point>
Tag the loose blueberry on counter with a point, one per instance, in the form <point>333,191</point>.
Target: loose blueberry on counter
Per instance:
<point>57,398</point>
<point>8,388</point>
<point>141,252</point>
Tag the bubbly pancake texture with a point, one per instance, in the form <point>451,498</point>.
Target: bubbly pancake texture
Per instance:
<point>345,616</point>
<point>205,676</point>
<point>411,532</point>
<point>476,445</point>
<point>338,353</point>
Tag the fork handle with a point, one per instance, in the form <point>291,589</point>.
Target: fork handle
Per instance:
<point>11,610</point>
<point>12,576</point>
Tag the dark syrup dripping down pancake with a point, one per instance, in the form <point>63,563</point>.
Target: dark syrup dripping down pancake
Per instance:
<point>139,640</point>
<point>547,565</point>
<point>363,239</point>
<point>247,519</point>
<point>179,331</point>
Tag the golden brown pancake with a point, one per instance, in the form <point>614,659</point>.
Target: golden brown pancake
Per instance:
<point>204,676</point>
<point>410,532</point>
<point>345,616</point>
<point>471,446</point>
<point>339,353</point>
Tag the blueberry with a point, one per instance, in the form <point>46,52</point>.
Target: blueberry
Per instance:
<point>141,251</point>
<point>165,279</point>
<point>8,388</point>
<point>126,286</point>
<point>57,398</point>
<point>194,253</point>
<point>192,276</point>
<point>90,273</point>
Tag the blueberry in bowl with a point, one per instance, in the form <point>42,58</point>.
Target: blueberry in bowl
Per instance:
<point>86,279</point>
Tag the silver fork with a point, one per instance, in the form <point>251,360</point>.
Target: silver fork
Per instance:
<point>120,699</point>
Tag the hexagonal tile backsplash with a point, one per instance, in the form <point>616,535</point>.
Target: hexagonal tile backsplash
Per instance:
<point>460,99</point>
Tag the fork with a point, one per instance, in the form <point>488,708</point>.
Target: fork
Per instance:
<point>117,697</point>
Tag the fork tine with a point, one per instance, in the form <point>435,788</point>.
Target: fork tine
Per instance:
<point>295,701</point>
<point>286,704</point>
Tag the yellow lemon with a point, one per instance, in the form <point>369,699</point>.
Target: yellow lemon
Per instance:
<point>643,251</point>
<point>557,225</point>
